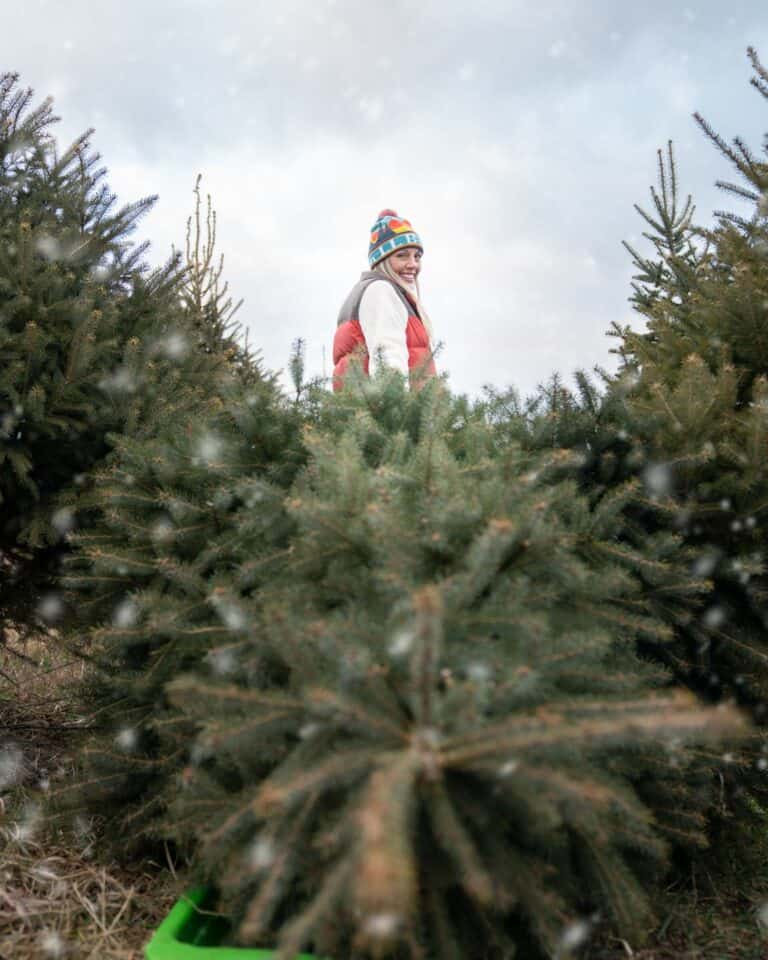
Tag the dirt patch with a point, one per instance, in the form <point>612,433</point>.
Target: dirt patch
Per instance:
<point>58,900</point>
<point>40,724</point>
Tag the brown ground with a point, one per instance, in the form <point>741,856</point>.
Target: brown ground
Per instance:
<point>57,898</point>
<point>60,901</point>
<point>723,927</point>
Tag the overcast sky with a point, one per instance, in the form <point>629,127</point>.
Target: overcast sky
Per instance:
<point>514,135</point>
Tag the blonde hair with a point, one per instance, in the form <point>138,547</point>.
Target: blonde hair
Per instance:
<point>384,266</point>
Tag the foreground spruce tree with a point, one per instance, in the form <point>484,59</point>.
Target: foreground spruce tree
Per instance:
<point>425,737</point>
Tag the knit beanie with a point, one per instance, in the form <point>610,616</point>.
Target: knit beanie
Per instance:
<point>391,233</point>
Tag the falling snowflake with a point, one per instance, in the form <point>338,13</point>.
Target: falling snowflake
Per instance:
<point>49,247</point>
<point>127,739</point>
<point>52,945</point>
<point>175,346</point>
<point>380,926</point>
<point>121,380</point>
<point>715,617</point>
<point>657,478</point>
<point>479,672</point>
<point>209,448</point>
<point>11,766</point>
<point>162,530</point>
<point>402,642</point>
<point>704,565</point>
<point>557,49</point>
<point>309,730</point>
<point>63,521</point>
<point>371,109</point>
<point>574,936</point>
<point>125,614</point>
<point>262,854</point>
<point>223,661</point>
<point>51,608</point>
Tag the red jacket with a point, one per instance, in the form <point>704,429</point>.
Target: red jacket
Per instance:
<point>349,340</point>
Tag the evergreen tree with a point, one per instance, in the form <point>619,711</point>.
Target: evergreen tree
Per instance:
<point>673,235</point>
<point>161,520</point>
<point>611,465</point>
<point>426,737</point>
<point>120,389</point>
<point>698,405</point>
<point>681,430</point>
<point>92,343</point>
<point>66,312</point>
<point>205,299</point>
<point>166,509</point>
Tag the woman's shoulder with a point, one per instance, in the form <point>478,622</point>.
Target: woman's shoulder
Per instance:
<point>382,291</point>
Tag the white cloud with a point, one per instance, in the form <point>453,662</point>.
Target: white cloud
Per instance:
<point>516,137</point>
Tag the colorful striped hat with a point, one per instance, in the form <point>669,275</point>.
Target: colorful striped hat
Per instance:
<point>391,233</point>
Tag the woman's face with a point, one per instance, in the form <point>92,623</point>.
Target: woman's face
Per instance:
<point>407,263</point>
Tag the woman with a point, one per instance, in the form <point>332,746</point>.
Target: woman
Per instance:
<point>383,317</point>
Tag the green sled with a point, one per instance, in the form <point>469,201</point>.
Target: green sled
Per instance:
<point>187,933</point>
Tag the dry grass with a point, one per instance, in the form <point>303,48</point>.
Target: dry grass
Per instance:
<point>716,927</point>
<point>36,676</point>
<point>57,900</point>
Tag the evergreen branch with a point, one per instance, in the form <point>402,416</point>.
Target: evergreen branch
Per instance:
<point>297,933</point>
<point>279,791</point>
<point>196,696</point>
<point>271,723</point>
<point>563,656</point>
<point>385,871</point>
<point>694,838</point>
<point>632,558</point>
<point>455,839</point>
<point>232,823</point>
<point>741,645</point>
<point>123,758</point>
<point>427,605</point>
<point>757,66</point>
<point>262,907</point>
<point>663,716</point>
<point>742,192</point>
<point>592,793</point>
<point>143,811</point>
<point>630,909</point>
<point>354,715</point>
<point>618,615</point>
<point>445,936</point>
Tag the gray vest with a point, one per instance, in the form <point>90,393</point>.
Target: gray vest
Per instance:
<point>350,309</point>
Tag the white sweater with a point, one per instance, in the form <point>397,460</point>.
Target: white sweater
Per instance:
<point>383,319</point>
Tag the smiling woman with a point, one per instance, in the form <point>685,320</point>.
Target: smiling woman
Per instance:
<point>383,316</point>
